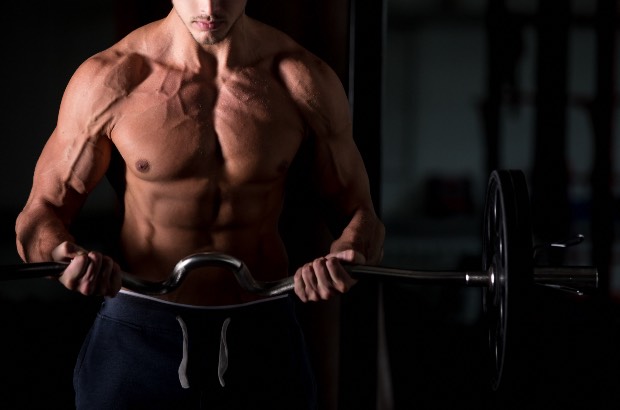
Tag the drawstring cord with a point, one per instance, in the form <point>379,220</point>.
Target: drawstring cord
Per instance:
<point>223,362</point>
<point>223,356</point>
<point>183,366</point>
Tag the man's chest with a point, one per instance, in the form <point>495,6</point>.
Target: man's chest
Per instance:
<point>245,128</point>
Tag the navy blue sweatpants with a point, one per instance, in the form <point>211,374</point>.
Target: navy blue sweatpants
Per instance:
<point>143,353</point>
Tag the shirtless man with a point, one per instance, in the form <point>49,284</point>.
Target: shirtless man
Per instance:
<point>207,109</point>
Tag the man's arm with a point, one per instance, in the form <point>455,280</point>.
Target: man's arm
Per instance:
<point>340,175</point>
<point>71,164</point>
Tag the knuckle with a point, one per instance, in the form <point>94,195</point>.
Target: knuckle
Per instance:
<point>309,279</point>
<point>95,257</point>
<point>86,287</point>
<point>70,282</point>
<point>319,263</point>
<point>341,286</point>
<point>325,293</point>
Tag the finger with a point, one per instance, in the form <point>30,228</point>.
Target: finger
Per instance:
<point>89,281</point>
<point>66,251</point>
<point>325,286</point>
<point>349,256</point>
<point>299,286</point>
<point>113,278</point>
<point>310,282</point>
<point>73,273</point>
<point>340,278</point>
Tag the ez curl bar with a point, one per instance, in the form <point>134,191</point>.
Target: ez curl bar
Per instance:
<point>507,267</point>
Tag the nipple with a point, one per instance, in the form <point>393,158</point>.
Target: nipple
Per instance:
<point>143,165</point>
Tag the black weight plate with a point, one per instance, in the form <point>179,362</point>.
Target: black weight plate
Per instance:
<point>507,256</point>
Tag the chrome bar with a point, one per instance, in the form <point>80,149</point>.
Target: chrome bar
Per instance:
<point>571,278</point>
<point>574,279</point>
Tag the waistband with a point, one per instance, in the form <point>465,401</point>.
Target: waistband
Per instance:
<point>136,308</point>
<point>167,302</point>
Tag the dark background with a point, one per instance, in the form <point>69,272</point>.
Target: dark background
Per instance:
<point>402,346</point>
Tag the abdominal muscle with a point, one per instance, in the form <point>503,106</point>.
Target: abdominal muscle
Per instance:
<point>155,238</point>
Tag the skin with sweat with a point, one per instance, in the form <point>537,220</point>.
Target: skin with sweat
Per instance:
<point>207,109</point>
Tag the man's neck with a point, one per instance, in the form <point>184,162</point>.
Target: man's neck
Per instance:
<point>231,52</point>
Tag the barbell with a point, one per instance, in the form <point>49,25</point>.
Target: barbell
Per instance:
<point>507,267</point>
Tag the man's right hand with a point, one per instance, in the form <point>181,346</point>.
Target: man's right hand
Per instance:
<point>90,273</point>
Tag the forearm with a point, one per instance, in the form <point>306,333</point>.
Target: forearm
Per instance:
<point>38,231</point>
<point>364,233</point>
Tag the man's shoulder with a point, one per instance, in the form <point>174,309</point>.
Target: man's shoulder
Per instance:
<point>103,80</point>
<point>298,66</point>
<point>112,69</point>
<point>279,46</point>
<point>120,63</point>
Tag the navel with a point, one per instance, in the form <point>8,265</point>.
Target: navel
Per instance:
<point>143,165</point>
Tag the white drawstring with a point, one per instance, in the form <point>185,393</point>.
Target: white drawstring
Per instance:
<point>223,359</point>
<point>223,362</point>
<point>183,366</point>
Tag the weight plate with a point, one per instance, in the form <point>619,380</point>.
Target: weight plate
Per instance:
<point>507,256</point>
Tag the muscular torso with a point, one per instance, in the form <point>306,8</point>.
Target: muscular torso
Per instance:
<point>206,138</point>
<point>206,157</point>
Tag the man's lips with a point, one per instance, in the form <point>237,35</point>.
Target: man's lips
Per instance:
<point>207,25</point>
